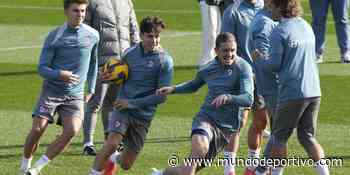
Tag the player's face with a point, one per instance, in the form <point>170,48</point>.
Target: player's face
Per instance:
<point>276,15</point>
<point>150,41</point>
<point>75,14</point>
<point>227,52</point>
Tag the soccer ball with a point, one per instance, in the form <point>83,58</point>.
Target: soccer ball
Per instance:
<point>117,69</point>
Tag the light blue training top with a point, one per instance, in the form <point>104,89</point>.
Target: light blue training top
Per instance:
<point>235,81</point>
<point>147,72</point>
<point>71,49</point>
<point>292,57</point>
<point>259,38</point>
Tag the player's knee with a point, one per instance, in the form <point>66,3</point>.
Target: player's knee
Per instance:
<point>258,125</point>
<point>306,140</point>
<point>70,133</point>
<point>200,150</point>
<point>37,130</point>
<point>126,165</point>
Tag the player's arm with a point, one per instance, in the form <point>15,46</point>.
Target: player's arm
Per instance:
<point>275,62</point>
<point>45,61</point>
<point>228,21</point>
<point>165,78</point>
<point>183,88</point>
<point>93,68</point>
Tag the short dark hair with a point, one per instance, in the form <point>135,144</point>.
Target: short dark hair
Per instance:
<point>224,37</point>
<point>152,24</point>
<point>67,3</point>
<point>288,8</point>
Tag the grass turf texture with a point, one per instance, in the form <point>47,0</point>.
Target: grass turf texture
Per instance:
<point>24,27</point>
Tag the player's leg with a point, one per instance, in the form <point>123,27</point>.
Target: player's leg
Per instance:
<point>231,149</point>
<point>199,148</point>
<point>38,128</point>
<point>201,137</point>
<point>319,9</point>
<point>109,147</point>
<point>133,142</point>
<point>230,153</point>
<point>71,112</point>
<point>287,118</point>
<point>340,9</point>
<point>255,134</point>
<point>42,116</point>
<point>255,131</point>
<point>90,117</point>
<point>117,128</point>
<point>306,135</point>
<point>107,105</point>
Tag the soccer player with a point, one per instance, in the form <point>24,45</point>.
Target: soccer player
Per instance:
<point>266,81</point>
<point>68,59</point>
<point>118,30</point>
<point>340,9</point>
<point>150,68</point>
<point>237,21</point>
<point>230,85</point>
<point>292,57</point>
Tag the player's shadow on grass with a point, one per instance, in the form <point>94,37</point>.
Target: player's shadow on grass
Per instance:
<point>76,144</point>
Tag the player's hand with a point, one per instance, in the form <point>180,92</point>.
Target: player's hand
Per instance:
<point>88,97</point>
<point>257,54</point>
<point>220,100</point>
<point>121,104</point>
<point>165,90</point>
<point>68,77</point>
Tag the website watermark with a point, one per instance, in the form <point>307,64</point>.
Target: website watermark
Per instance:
<point>174,160</point>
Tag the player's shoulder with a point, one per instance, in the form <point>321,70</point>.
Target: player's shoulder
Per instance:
<point>242,64</point>
<point>164,57</point>
<point>213,64</point>
<point>133,49</point>
<point>91,31</point>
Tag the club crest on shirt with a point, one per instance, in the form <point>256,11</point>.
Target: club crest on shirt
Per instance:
<point>116,124</point>
<point>150,64</point>
<point>229,72</point>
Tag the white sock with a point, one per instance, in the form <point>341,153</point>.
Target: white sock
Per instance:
<point>157,172</point>
<point>115,157</point>
<point>277,171</point>
<point>253,154</point>
<point>41,163</point>
<point>88,144</point>
<point>95,172</point>
<point>26,163</point>
<point>230,165</point>
<point>322,167</point>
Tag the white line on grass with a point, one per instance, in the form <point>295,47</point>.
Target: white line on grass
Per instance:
<point>166,35</point>
<point>19,48</point>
